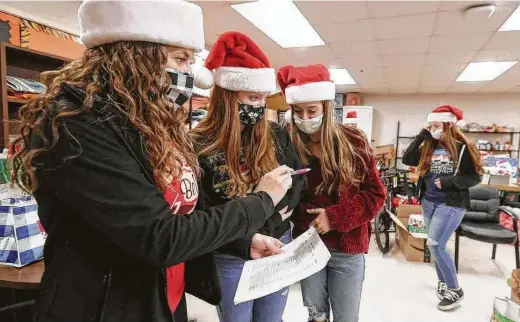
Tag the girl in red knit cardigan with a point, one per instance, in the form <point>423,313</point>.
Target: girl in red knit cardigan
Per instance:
<point>344,192</point>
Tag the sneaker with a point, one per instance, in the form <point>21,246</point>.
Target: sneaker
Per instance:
<point>451,300</point>
<point>441,288</point>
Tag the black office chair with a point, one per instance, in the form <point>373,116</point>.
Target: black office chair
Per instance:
<point>481,222</point>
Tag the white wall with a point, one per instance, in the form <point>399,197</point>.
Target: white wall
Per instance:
<point>411,110</point>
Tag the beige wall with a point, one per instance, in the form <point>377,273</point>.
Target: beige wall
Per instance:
<point>411,110</point>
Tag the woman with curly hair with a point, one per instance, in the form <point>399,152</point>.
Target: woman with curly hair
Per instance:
<point>344,192</point>
<point>106,154</point>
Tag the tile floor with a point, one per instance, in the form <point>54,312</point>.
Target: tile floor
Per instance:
<point>400,291</point>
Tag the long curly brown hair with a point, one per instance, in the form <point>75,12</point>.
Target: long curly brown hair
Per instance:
<point>132,76</point>
<point>220,132</point>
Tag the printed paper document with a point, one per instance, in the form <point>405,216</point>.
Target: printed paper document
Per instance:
<point>304,256</point>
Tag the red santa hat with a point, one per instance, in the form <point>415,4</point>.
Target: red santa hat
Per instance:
<point>236,63</point>
<point>306,84</point>
<point>351,117</point>
<point>447,113</point>
<point>173,22</point>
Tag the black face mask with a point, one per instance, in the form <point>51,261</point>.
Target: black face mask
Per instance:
<point>181,88</point>
<point>250,114</point>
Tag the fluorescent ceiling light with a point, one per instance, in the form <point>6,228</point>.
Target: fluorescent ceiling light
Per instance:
<point>281,21</point>
<point>484,71</point>
<point>341,76</point>
<point>513,22</point>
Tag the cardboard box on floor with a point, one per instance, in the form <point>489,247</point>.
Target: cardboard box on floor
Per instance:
<point>412,245</point>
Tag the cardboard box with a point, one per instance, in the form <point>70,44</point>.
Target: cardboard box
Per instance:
<point>412,245</point>
<point>385,149</point>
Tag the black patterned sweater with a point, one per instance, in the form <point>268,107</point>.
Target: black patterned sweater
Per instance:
<point>214,177</point>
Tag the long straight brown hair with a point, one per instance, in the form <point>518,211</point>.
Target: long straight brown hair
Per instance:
<point>345,151</point>
<point>450,138</point>
<point>220,132</point>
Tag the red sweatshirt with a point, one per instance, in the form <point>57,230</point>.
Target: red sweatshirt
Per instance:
<point>182,195</point>
<point>349,212</point>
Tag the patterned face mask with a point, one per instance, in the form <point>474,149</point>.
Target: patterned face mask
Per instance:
<point>181,88</point>
<point>250,114</point>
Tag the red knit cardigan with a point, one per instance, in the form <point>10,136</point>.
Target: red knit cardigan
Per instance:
<point>349,213</point>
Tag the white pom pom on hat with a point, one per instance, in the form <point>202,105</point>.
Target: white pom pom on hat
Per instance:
<point>204,78</point>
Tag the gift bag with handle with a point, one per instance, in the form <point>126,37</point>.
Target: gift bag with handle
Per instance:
<point>21,235</point>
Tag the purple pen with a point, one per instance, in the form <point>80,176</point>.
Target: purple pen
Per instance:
<point>301,171</point>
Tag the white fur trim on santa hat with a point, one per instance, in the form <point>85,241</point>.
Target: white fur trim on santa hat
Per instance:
<point>173,22</point>
<point>262,80</point>
<point>442,117</point>
<point>310,92</point>
<point>350,121</point>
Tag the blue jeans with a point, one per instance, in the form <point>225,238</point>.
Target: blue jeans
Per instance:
<point>338,285</point>
<point>265,309</point>
<point>441,222</point>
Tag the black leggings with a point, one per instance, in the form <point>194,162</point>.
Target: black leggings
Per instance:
<point>181,312</point>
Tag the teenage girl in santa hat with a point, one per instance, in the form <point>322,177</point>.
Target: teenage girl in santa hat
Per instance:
<point>344,191</point>
<point>448,164</point>
<point>106,154</point>
<point>236,147</point>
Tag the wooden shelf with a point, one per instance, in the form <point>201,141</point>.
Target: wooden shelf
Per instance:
<point>505,151</point>
<point>486,132</point>
<point>25,63</point>
<point>18,100</point>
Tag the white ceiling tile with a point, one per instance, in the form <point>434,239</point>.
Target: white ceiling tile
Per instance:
<point>404,61</point>
<point>455,22</point>
<point>440,75</point>
<point>370,77</point>
<point>400,8</point>
<point>324,12</point>
<point>496,88</point>
<point>471,87</point>
<point>310,55</point>
<point>504,40</point>
<point>460,6</point>
<point>367,48</point>
<point>450,57</point>
<point>404,26</point>
<point>402,90</point>
<point>459,42</point>
<point>358,55</point>
<point>404,46</point>
<point>498,55</point>
<point>432,90</point>
<point>515,89</point>
<point>347,32</point>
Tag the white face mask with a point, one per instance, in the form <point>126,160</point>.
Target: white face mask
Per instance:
<point>436,134</point>
<point>309,126</point>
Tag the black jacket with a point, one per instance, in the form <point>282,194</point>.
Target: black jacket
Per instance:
<point>111,234</point>
<point>456,187</point>
<point>212,190</point>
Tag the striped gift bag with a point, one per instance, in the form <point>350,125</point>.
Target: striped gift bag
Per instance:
<point>21,235</point>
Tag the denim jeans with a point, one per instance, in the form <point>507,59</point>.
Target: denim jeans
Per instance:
<point>266,309</point>
<point>338,285</point>
<point>441,222</point>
